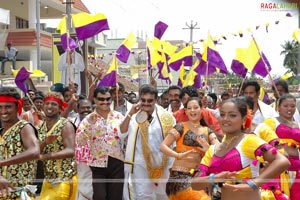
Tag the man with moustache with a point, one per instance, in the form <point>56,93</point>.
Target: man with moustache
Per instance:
<point>100,130</point>
<point>57,136</point>
<point>146,168</point>
<point>261,111</point>
<point>174,100</point>
<point>19,147</point>
<point>85,188</point>
<point>119,102</point>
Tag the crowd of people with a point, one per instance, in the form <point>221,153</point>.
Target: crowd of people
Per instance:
<point>182,144</point>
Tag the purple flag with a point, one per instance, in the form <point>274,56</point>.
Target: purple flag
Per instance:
<point>72,44</point>
<point>21,78</point>
<point>160,29</point>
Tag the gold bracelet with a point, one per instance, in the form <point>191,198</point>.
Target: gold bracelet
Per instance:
<point>129,115</point>
<point>177,156</point>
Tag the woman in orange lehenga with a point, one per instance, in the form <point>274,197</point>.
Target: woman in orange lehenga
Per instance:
<point>191,143</point>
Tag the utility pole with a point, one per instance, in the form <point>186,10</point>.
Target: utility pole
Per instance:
<point>192,26</point>
<point>68,13</point>
<point>38,34</point>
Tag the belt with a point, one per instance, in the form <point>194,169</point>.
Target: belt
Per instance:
<point>181,169</point>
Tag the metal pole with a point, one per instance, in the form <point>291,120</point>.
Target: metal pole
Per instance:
<point>191,27</point>
<point>38,34</point>
<point>68,12</point>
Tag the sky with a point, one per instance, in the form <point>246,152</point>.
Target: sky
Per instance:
<point>217,17</point>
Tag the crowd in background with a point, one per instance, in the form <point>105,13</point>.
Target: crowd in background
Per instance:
<point>117,144</point>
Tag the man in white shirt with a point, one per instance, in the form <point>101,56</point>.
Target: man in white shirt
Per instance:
<point>10,55</point>
<point>146,168</point>
<point>261,111</point>
<point>76,66</point>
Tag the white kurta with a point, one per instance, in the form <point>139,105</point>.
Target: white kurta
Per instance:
<point>139,183</point>
<point>77,66</point>
<point>265,111</point>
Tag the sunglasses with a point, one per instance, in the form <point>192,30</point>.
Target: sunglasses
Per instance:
<point>147,100</point>
<point>103,99</point>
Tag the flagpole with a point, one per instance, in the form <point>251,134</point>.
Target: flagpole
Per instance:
<point>241,86</point>
<point>206,77</point>
<point>206,73</point>
<point>68,26</point>
<point>266,67</point>
<point>34,107</point>
<point>117,85</point>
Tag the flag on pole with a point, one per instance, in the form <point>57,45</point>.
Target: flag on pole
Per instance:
<point>210,61</point>
<point>153,56</point>
<point>164,70</point>
<point>64,37</point>
<point>236,65</point>
<point>124,50</point>
<point>251,60</point>
<point>193,77</point>
<point>110,79</point>
<point>33,74</point>
<point>185,56</point>
<point>87,25</point>
<point>160,29</point>
<point>212,56</point>
<point>21,79</point>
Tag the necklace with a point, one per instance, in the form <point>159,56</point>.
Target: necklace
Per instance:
<point>227,142</point>
<point>194,125</point>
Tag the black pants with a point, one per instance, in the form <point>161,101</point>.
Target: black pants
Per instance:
<point>104,185</point>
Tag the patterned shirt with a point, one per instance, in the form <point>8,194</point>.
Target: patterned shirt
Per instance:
<point>102,138</point>
<point>11,145</point>
<point>82,153</point>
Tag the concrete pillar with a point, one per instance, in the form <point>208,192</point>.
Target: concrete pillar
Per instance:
<point>33,58</point>
<point>32,11</point>
<point>32,14</point>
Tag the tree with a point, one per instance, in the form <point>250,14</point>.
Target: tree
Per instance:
<point>290,52</point>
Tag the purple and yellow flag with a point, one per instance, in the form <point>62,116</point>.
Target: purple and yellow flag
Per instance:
<point>193,77</point>
<point>160,29</point>
<point>153,55</point>
<point>21,79</point>
<point>64,37</point>
<point>124,50</point>
<point>87,25</point>
<point>212,57</point>
<point>185,56</point>
<point>236,65</point>
<point>110,79</point>
<point>251,60</point>
<point>164,70</point>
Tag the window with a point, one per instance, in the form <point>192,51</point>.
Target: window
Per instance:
<point>21,23</point>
